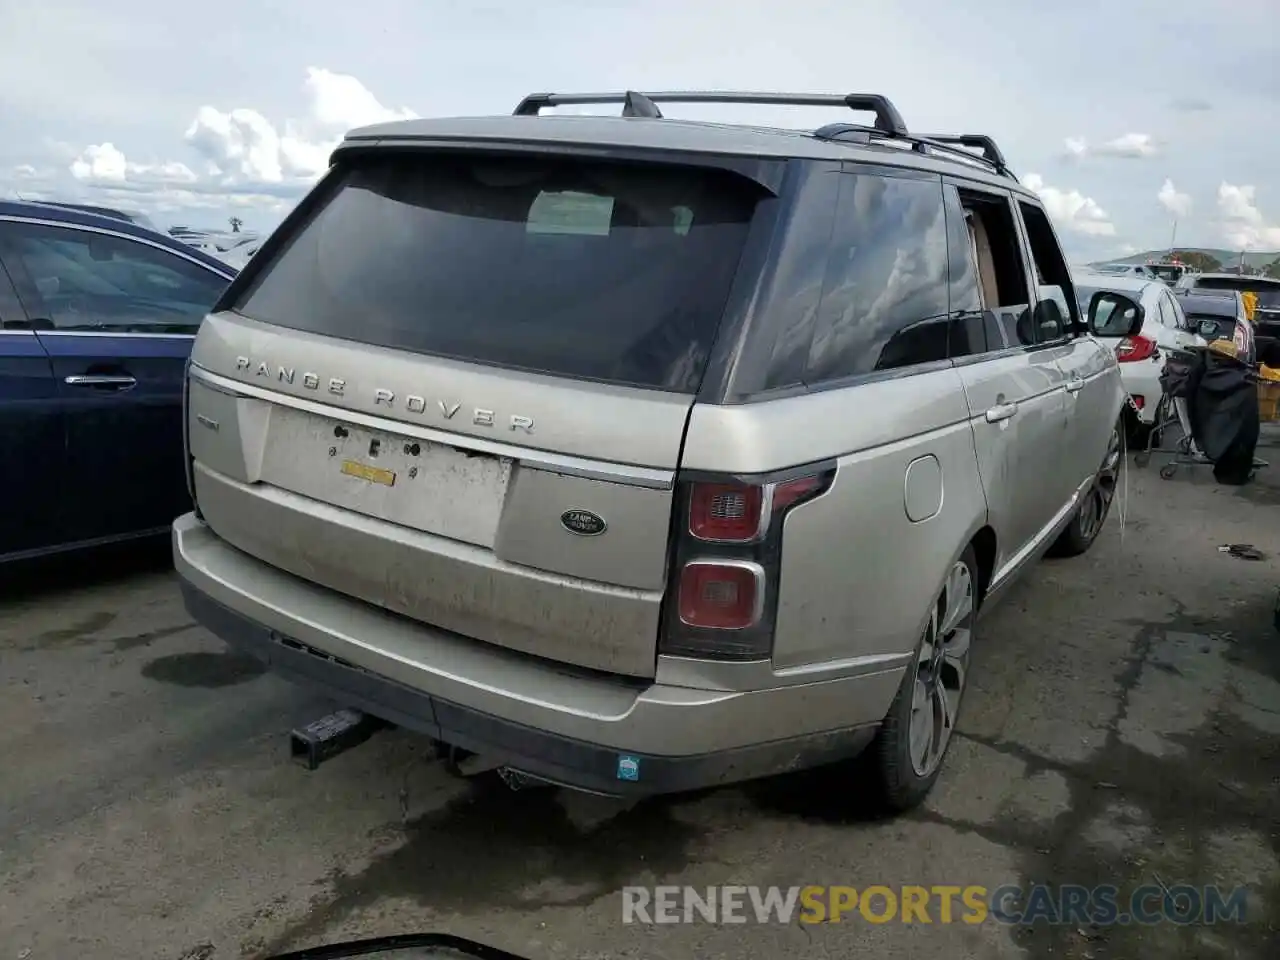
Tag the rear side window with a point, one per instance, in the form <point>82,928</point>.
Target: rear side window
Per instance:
<point>885,292</point>
<point>76,279</point>
<point>585,269</point>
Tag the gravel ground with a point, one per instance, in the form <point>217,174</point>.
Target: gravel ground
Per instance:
<point>1123,727</point>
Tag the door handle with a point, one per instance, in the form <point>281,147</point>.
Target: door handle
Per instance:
<point>115,381</point>
<point>1075,386</point>
<point>1001,412</point>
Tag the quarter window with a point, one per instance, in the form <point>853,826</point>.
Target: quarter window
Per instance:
<point>79,280</point>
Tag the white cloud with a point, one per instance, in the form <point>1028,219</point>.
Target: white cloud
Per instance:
<point>1179,204</point>
<point>105,163</point>
<point>1243,224</point>
<point>1132,146</point>
<point>242,159</point>
<point>243,146</point>
<point>1071,209</point>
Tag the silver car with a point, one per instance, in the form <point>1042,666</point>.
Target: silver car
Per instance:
<point>637,455</point>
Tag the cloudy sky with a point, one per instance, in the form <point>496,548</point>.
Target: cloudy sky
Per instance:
<point>1122,114</point>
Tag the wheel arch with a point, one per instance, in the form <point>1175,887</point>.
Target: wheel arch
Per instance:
<point>984,549</point>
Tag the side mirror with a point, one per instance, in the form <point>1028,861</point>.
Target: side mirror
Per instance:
<point>1050,321</point>
<point>1115,315</point>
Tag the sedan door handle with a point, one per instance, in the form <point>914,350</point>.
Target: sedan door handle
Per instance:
<point>1075,386</point>
<point>1001,412</point>
<point>116,381</point>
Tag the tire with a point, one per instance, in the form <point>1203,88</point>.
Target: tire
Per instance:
<point>1091,516</point>
<point>901,780</point>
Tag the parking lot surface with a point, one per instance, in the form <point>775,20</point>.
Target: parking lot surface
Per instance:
<point>1122,727</point>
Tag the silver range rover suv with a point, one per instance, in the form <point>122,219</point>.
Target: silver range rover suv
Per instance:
<point>639,455</point>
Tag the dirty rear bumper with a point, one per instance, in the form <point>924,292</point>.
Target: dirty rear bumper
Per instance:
<point>619,767</point>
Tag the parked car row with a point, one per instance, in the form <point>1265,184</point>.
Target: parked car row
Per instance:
<point>97,316</point>
<point>1262,304</point>
<point>1201,308</point>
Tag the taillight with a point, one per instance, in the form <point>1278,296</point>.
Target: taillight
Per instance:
<point>725,512</point>
<point>721,594</point>
<point>726,562</point>
<point>1135,348</point>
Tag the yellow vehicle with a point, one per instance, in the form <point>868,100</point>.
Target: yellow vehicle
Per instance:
<point>1250,303</point>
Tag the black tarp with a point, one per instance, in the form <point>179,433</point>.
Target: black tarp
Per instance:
<point>1222,402</point>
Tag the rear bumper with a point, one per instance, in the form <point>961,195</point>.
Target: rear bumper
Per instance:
<point>594,733</point>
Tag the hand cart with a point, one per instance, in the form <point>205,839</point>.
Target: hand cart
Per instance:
<point>1173,410</point>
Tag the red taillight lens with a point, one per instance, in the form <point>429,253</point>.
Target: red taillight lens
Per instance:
<point>1132,349</point>
<point>721,595</point>
<point>725,513</point>
<point>1139,400</point>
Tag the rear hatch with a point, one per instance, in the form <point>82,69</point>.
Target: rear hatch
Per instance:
<point>459,391</point>
<point>1266,299</point>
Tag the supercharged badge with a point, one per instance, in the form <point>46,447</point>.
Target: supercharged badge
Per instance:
<point>583,522</point>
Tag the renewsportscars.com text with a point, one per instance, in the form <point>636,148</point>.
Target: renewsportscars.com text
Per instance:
<point>972,904</point>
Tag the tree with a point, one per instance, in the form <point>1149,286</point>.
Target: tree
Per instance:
<point>1198,260</point>
<point>236,224</point>
<point>1272,269</point>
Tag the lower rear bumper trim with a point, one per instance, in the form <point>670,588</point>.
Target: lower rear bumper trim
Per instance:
<point>542,755</point>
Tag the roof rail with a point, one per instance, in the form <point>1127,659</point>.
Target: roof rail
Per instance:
<point>977,141</point>
<point>888,120</point>
<point>944,143</point>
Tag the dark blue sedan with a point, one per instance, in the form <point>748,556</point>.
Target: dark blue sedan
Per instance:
<point>97,317</point>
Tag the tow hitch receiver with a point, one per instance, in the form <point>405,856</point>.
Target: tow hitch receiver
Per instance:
<point>329,736</point>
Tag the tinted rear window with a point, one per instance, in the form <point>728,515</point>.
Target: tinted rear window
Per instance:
<point>1268,293</point>
<point>584,269</point>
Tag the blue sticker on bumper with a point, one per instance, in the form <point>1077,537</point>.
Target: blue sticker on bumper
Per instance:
<point>628,767</point>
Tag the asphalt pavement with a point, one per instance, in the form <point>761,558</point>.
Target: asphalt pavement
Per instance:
<point>1122,727</point>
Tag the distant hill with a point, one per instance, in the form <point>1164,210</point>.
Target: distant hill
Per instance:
<point>1227,258</point>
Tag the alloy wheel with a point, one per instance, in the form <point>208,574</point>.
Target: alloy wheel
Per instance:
<point>940,672</point>
<point>1097,502</point>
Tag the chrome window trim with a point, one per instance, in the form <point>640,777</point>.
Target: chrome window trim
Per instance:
<point>113,333</point>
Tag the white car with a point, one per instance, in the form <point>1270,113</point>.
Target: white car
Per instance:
<point>1142,356</point>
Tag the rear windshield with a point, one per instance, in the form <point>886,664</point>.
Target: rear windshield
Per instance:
<point>1268,293</point>
<point>585,269</point>
<point>1221,322</point>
